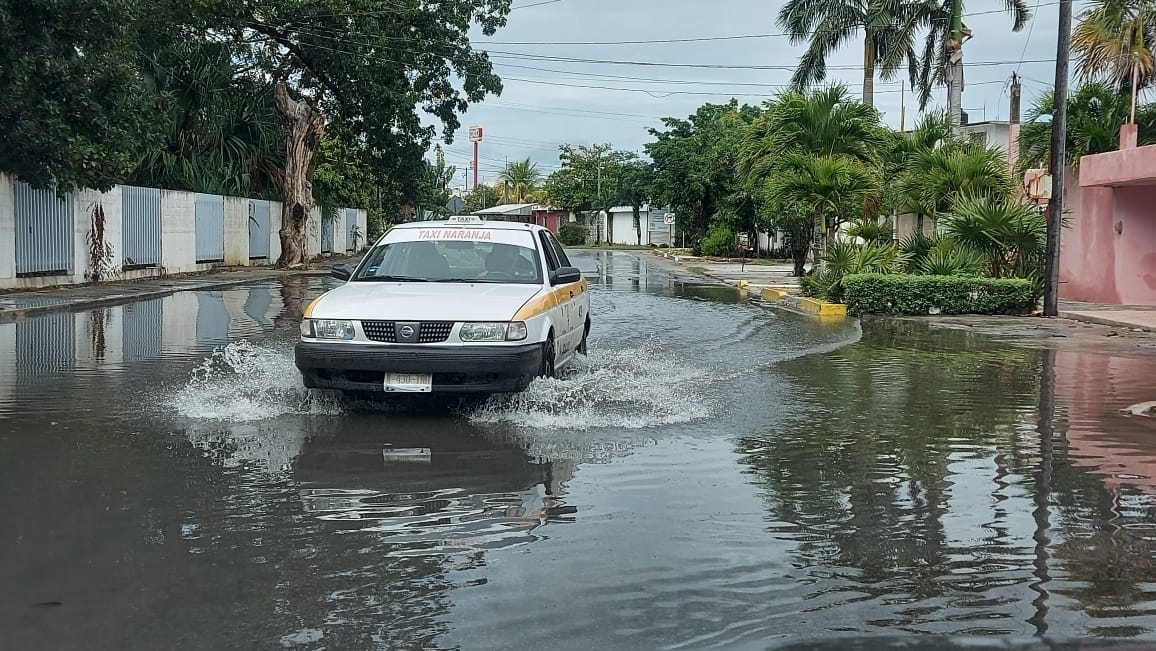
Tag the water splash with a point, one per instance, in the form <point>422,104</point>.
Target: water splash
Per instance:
<point>246,382</point>
<point>629,388</point>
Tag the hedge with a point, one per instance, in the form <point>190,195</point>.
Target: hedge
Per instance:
<point>572,234</point>
<point>909,295</point>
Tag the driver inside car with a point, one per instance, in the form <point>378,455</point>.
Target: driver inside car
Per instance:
<point>505,262</point>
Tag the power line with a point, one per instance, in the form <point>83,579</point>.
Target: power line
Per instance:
<point>711,66</point>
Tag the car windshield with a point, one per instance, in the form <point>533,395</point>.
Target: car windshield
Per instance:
<point>452,260</point>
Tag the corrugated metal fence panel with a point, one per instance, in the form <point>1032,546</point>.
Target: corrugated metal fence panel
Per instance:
<point>210,228</point>
<point>258,229</point>
<point>45,345</point>
<point>143,324</point>
<point>350,228</point>
<point>43,231</point>
<point>326,235</point>
<point>142,226</point>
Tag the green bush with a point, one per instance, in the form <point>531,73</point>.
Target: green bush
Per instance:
<point>904,294</point>
<point>719,242</point>
<point>572,234</point>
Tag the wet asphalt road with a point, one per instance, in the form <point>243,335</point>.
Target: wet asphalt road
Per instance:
<point>716,474</point>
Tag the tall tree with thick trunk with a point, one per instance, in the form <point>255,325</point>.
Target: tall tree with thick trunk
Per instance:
<point>888,28</point>
<point>306,127</point>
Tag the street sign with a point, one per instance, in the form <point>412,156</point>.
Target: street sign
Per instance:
<point>475,134</point>
<point>668,218</point>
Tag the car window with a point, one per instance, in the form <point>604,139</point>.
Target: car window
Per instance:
<point>558,250</point>
<point>548,249</point>
<point>453,260</point>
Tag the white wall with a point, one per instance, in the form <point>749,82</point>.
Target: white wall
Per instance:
<point>624,228</point>
<point>178,232</point>
<point>7,233</point>
<point>236,231</point>
<point>178,235</point>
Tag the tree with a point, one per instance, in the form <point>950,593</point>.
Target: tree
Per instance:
<point>934,180</point>
<point>1011,237</point>
<point>634,185</point>
<point>1095,113</point>
<point>73,105</point>
<point>585,179</point>
<point>367,64</point>
<point>481,197</point>
<point>889,29</point>
<point>830,188</point>
<point>1114,42</point>
<point>942,58</point>
<point>520,182</point>
<point>434,189</point>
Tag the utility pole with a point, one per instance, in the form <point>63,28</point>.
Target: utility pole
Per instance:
<point>1016,90</point>
<point>1013,129</point>
<point>902,104</point>
<point>1058,154</point>
<point>953,48</point>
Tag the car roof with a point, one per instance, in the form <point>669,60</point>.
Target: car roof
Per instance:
<point>480,223</point>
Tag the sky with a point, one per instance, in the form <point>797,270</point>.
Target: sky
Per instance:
<point>547,101</point>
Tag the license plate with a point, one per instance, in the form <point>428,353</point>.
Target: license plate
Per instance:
<point>408,382</point>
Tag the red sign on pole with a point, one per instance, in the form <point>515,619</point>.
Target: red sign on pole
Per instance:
<point>475,134</point>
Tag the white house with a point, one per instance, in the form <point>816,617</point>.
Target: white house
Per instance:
<point>618,226</point>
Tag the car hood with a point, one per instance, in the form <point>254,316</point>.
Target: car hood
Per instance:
<point>423,301</point>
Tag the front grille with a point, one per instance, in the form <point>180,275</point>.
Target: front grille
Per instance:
<point>430,332</point>
<point>379,331</point>
<point>434,332</point>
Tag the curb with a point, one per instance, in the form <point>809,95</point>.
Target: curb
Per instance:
<point>827,312</point>
<point>1095,320</point>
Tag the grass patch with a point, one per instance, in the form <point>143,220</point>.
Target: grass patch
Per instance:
<point>697,270</point>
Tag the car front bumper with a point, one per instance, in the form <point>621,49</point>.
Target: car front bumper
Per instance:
<point>465,369</point>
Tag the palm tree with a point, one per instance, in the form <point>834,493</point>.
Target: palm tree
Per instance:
<point>1012,237</point>
<point>1114,42</point>
<point>889,28</point>
<point>520,182</point>
<point>831,188</point>
<point>822,122</point>
<point>942,57</point>
<point>1095,113</point>
<point>935,179</point>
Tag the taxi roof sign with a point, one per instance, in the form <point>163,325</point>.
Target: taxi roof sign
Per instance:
<point>464,219</point>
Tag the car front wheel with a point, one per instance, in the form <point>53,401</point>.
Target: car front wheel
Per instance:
<point>547,367</point>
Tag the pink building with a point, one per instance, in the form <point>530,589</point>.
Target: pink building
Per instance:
<point>1108,252</point>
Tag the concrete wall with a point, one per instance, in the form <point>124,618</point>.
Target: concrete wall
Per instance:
<point>1108,252</point>
<point>178,236</point>
<point>907,223</point>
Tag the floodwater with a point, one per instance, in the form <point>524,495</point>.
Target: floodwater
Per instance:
<point>716,474</point>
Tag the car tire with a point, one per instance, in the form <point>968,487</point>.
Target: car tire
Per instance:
<point>582,347</point>
<point>546,369</point>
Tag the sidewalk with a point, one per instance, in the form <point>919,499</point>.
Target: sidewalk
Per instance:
<point>1132,317</point>
<point>16,305</point>
<point>756,274</point>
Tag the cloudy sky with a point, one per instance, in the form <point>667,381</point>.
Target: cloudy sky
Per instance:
<point>550,98</point>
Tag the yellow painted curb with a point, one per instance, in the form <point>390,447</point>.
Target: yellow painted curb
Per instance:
<point>822,308</point>
<point>770,294</point>
<point>743,283</point>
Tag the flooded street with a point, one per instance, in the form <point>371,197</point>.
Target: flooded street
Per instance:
<point>717,473</point>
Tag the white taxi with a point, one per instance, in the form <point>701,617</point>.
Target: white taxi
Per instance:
<point>461,305</point>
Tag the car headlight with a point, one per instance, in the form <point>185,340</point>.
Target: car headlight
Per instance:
<point>493,331</point>
<point>327,329</point>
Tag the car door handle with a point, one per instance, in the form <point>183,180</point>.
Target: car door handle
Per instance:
<point>571,293</point>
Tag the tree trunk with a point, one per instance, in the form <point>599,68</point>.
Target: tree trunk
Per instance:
<point>306,126</point>
<point>799,254</point>
<point>868,68</point>
<point>637,224</point>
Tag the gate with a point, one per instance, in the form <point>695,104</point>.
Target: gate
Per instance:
<point>210,218</point>
<point>141,208</point>
<point>43,231</point>
<point>142,327</point>
<point>351,229</point>
<point>327,234</point>
<point>258,229</point>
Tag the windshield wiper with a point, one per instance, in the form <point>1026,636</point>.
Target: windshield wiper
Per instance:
<point>395,279</point>
<point>465,280</point>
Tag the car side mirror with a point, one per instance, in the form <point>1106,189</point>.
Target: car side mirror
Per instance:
<point>565,275</point>
<point>341,271</point>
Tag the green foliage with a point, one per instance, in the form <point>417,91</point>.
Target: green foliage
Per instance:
<point>520,182</point>
<point>934,179</point>
<point>912,295</point>
<point>948,258</point>
<point>1095,114</point>
<point>481,197</point>
<point>1113,40</point>
<point>1011,237</point>
<point>572,234</point>
<point>719,242</point>
<point>889,35</point>
<point>74,107</point>
<point>433,191</point>
<point>871,230</point>
<point>843,258</point>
